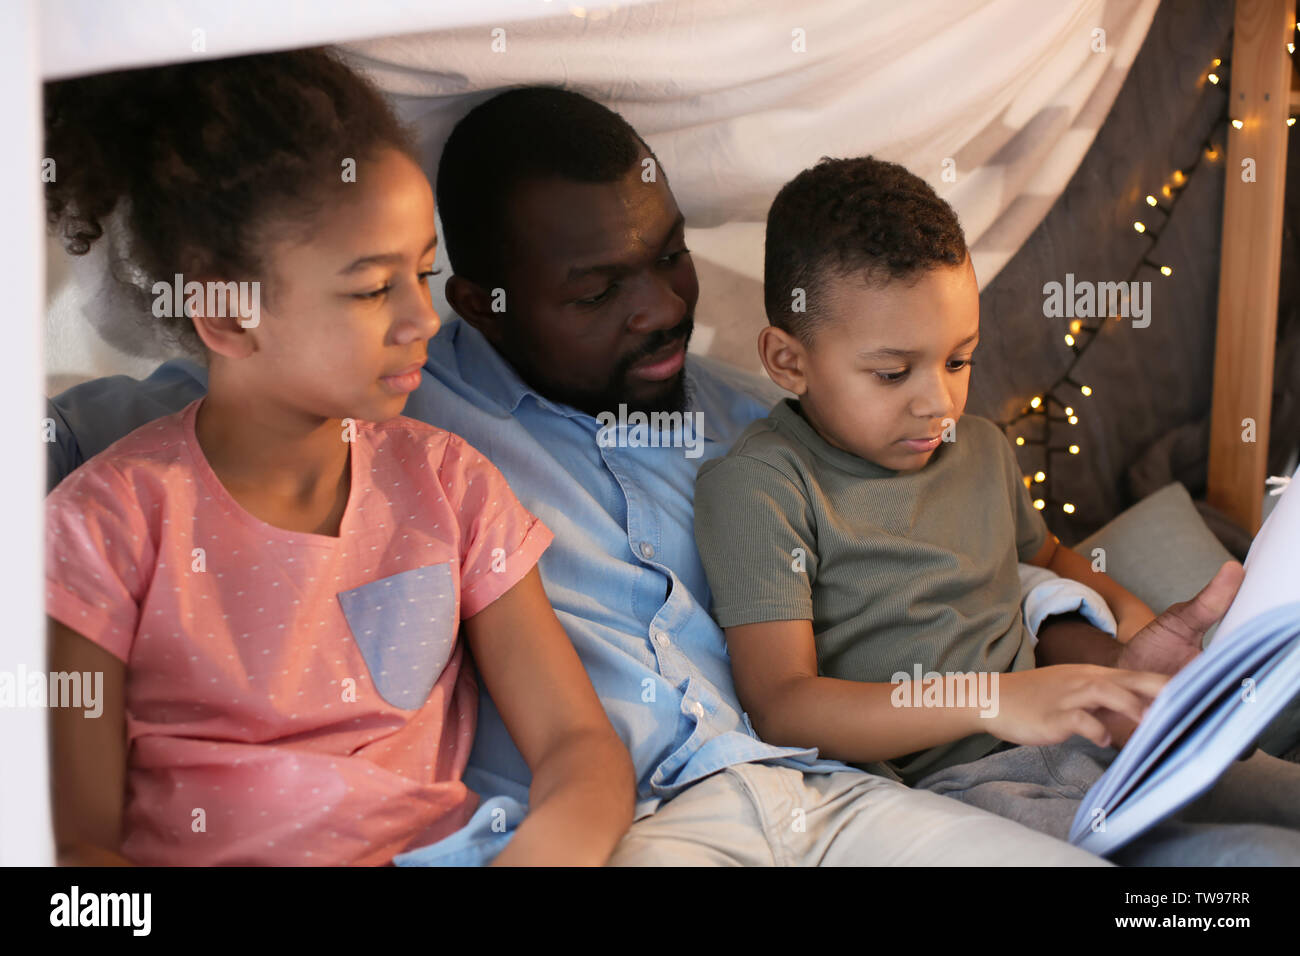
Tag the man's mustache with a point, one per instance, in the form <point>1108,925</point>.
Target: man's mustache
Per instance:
<point>660,341</point>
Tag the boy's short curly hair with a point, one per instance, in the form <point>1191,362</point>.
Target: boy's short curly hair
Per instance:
<point>844,217</point>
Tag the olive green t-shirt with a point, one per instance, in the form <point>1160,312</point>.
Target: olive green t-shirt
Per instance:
<point>894,569</point>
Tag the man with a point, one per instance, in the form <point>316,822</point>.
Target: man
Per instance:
<point>577,295</point>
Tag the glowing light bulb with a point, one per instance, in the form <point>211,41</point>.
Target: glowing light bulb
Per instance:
<point>1237,124</point>
<point>1139,226</point>
<point>1166,271</point>
<point>1151,200</point>
<point>1035,402</point>
<point>1290,48</point>
<point>1074,449</point>
<point>1179,178</point>
<point>1019,440</point>
<point>1069,340</point>
<point>1290,121</point>
<point>1068,508</point>
<point>1166,191</point>
<point>1040,504</point>
<point>1076,325</point>
<point>1040,476</point>
<point>1069,410</point>
<point>1086,390</point>
<point>1216,62</point>
<point>1213,78</point>
<point>1073,419</point>
<point>1211,154</point>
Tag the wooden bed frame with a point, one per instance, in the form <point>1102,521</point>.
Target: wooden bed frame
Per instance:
<point>1265,92</point>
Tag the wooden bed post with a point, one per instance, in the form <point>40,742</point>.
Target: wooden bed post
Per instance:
<point>1262,99</point>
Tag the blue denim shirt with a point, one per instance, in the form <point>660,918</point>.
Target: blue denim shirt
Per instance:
<point>623,573</point>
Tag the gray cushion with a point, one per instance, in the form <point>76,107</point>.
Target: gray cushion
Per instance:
<point>1160,549</point>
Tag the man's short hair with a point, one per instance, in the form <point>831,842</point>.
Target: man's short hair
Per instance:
<point>846,217</point>
<point>523,134</point>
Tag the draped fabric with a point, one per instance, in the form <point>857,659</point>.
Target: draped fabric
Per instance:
<point>994,102</point>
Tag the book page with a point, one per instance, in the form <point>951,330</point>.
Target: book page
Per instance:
<point>1272,566</point>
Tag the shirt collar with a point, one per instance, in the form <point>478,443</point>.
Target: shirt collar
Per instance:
<point>788,416</point>
<point>481,365</point>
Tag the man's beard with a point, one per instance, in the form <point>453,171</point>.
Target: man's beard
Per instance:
<point>607,399</point>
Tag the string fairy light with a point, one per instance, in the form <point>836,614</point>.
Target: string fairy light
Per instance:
<point>1055,405</point>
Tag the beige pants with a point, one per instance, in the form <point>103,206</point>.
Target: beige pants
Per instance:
<point>763,815</point>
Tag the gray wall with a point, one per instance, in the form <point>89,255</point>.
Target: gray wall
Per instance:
<point>1147,422</point>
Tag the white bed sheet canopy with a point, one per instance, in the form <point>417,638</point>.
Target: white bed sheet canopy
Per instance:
<point>994,102</point>
<point>1005,96</point>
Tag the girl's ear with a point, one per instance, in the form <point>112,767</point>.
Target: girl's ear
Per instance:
<point>473,303</point>
<point>226,316</point>
<point>785,359</point>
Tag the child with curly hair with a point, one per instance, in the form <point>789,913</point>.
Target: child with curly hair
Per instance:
<point>276,580</point>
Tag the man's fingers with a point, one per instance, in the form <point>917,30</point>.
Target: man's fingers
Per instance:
<point>1204,610</point>
<point>1223,586</point>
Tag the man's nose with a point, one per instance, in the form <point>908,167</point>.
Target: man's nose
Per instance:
<point>658,307</point>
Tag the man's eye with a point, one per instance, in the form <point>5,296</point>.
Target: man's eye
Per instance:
<point>672,257</point>
<point>956,365</point>
<point>597,299</point>
<point>889,378</point>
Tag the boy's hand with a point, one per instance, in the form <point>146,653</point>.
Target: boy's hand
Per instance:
<point>1171,640</point>
<point>1048,705</point>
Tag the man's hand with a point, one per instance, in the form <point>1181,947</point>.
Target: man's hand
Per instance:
<point>1175,637</point>
<point>1163,646</point>
<point>1170,641</point>
<point>1128,625</point>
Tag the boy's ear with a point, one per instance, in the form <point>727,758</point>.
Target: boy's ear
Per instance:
<point>785,359</point>
<point>473,303</point>
<point>223,329</point>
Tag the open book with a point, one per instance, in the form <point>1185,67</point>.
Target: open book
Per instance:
<point>1215,707</point>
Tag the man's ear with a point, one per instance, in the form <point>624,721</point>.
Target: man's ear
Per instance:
<point>473,303</point>
<point>785,358</point>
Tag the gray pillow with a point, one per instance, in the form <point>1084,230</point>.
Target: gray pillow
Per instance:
<point>1160,549</point>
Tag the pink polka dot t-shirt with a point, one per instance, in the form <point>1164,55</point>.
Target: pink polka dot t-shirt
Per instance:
<point>291,698</point>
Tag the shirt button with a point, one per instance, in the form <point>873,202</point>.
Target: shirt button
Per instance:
<point>647,550</point>
<point>659,636</point>
<point>698,710</point>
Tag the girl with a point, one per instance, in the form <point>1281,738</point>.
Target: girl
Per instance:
<point>273,580</point>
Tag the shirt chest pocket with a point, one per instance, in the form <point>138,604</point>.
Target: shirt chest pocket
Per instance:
<point>405,626</point>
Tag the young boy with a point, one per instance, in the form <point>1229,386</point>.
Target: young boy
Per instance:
<point>866,532</point>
